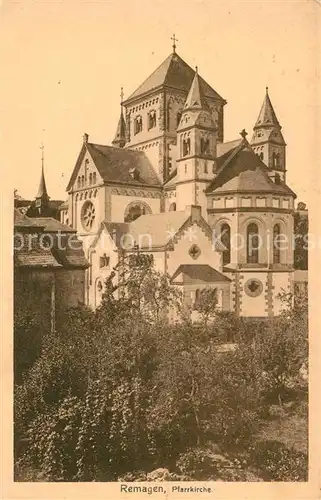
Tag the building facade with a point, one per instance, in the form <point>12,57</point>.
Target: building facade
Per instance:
<point>212,213</point>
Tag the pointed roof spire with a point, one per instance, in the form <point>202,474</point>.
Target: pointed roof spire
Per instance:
<point>120,136</point>
<point>267,116</point>
<point>42,191</point>
<point>195,99</point>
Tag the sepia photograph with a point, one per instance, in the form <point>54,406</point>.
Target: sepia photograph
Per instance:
<point>162,157</point>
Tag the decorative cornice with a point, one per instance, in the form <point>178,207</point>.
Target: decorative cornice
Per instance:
<point>251,209</point>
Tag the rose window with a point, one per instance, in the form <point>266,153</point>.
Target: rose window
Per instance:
<point>88,215</point>
<point>253,288</point>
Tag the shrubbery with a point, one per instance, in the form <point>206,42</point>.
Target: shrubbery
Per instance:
<point>118,391</point>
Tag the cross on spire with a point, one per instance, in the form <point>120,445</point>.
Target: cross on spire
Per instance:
<point>174,44</point>
<point>243,133</point>
<point>121,95</point>
<point>42,147</point>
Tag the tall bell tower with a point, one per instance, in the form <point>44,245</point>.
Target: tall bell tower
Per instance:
<point>196,140</point>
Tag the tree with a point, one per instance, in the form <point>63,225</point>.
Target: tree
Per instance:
<point>134,285</point>
<point>301,230</point>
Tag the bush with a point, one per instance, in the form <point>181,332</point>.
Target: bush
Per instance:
<point>279,463</point>
<point>198,464</point>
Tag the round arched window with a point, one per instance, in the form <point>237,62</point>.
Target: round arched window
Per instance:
<point>135,210</point>
<point>88,215</point>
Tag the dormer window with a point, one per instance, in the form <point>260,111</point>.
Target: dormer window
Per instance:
<point>151,119</point>
<point>133,172</point>
<point>138,124</point>
<point>277,179</point>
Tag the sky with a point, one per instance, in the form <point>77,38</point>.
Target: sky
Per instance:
<point>63,63</point>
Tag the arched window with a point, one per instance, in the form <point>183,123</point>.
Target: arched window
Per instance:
<point>138,124</point>
<point>168,115</point>
<point>151,119</point>
<point>82,181</point>
<point>94,178</point>
<point>90,179</point>
<point>261,156</point>
<point>178,117</point>
<point>135,210</point>
<point>197,300</point>
<point>78,182</point>
<point>172,207</point>
<point>276,244</point>
<point>252,244</point>
<point>277,160</point>
<point>226,241</point>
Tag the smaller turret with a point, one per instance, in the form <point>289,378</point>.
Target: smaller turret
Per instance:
<point>120,136</point>
<point>267,141</point>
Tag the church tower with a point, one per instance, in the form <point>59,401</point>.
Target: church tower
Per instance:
<point>42,198</point>
<point>268,142</point>
<point>196,140</point>
<point>120,136</point>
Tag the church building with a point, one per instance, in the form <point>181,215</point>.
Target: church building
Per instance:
<point>210,213</point>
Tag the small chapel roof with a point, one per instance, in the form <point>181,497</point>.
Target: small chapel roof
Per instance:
<point>160,228</point>
<point>175,73</point>
<point>201,272</point>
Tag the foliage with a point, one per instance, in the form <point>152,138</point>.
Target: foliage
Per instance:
<point>120,390</point>
<point>279,463</point>
<point>198,464</point>
<point>31,322</point>
<point>139,288</point>
<point>301,230</point>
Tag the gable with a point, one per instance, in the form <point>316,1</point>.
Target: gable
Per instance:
<point>85,173</point>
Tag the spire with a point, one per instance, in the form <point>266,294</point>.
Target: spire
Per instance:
<point>42,198</point>
<point>42,191</point>
<point>267,116</point>
<point>120,136</point>
<point>195,99</point>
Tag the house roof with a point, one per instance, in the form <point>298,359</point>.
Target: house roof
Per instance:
<point>52,225</point>
<point>245,172</point>
<point>35,258</point>
<point>116,164</point>
<point>202,272</point>
<point>174,73</point>
<point>22,221</point>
